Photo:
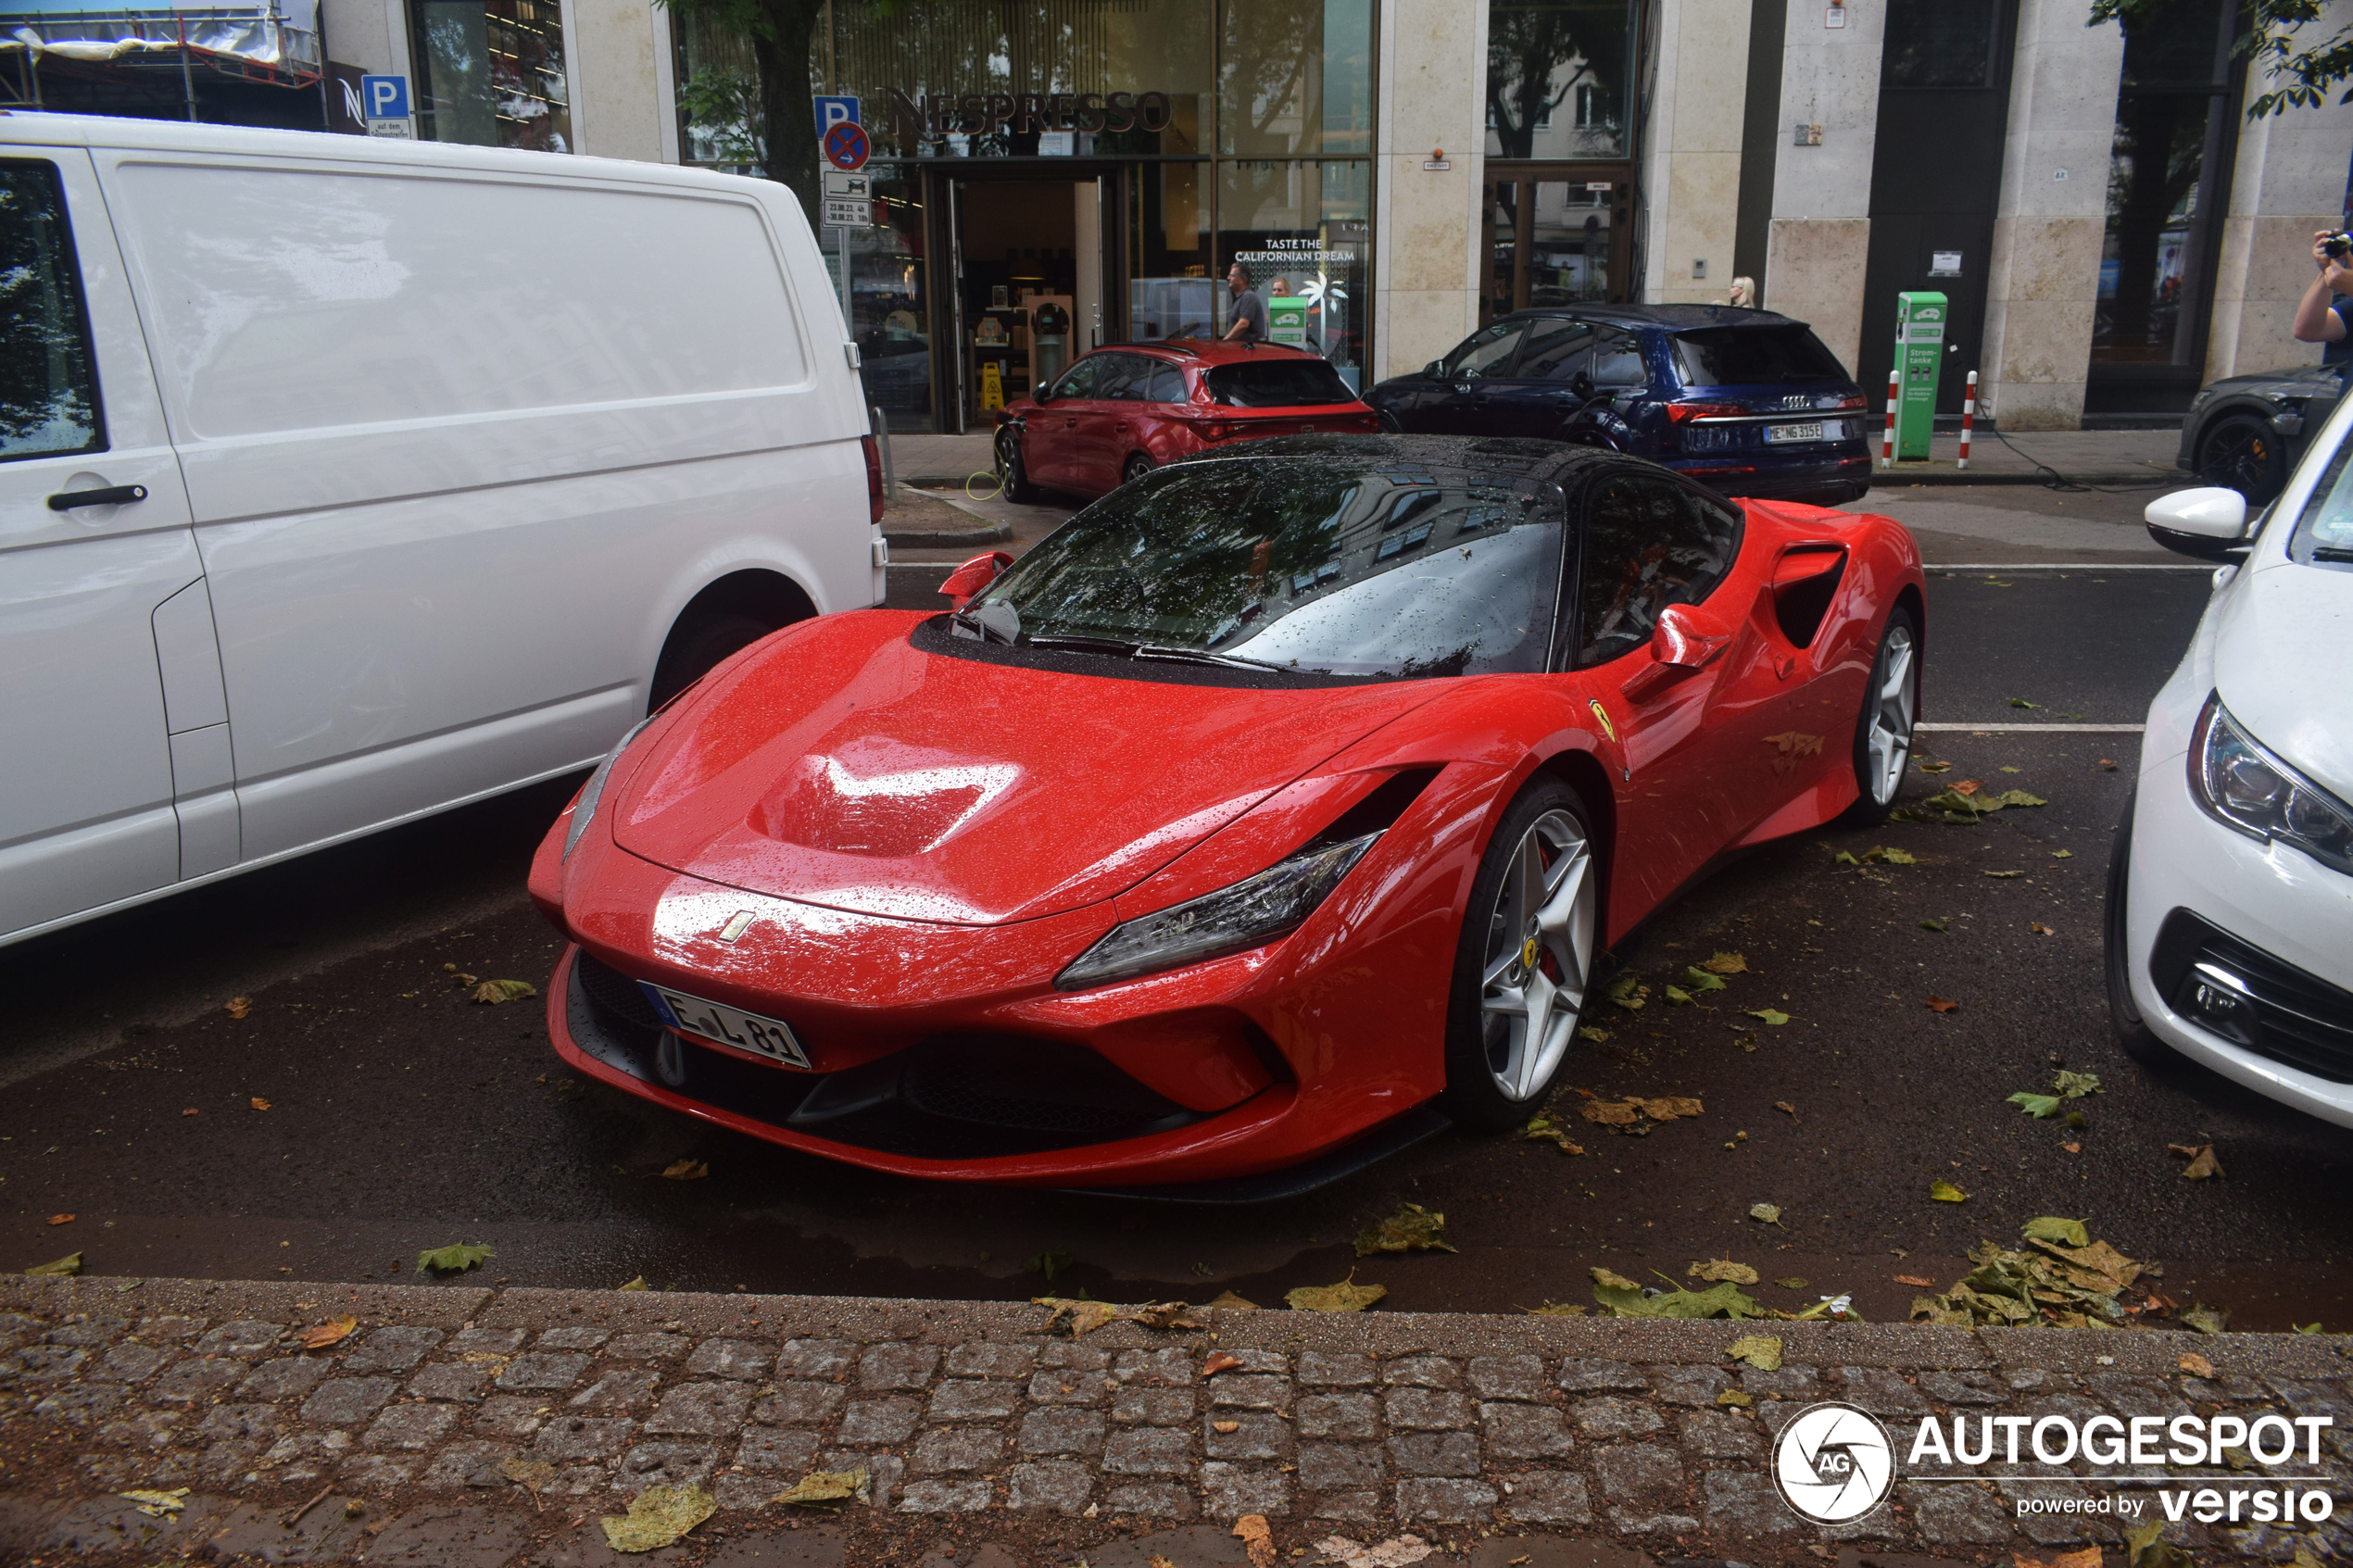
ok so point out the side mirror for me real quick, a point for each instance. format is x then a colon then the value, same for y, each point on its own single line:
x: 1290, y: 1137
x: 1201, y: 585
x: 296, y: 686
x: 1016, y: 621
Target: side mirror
x: 1042, y: 393
x: 972, y: 576
x: 1581, y: 385
x: 2209, y: 523
x: 1686, y: 640
x: 1435, y: 369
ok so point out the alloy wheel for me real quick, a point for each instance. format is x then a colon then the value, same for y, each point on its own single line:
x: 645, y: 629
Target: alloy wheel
x: 1539, y: 950
x: 1893, y: 709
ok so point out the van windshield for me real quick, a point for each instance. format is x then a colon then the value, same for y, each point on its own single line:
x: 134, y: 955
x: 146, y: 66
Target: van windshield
x: 1754, y: 357
x: 1286, y: 383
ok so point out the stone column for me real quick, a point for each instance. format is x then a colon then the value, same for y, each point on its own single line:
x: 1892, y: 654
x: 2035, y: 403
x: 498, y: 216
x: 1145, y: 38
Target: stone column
x: 618, y: 108
x: 2288, y: 181
x: 2051, y: 218
x: 1433, y: 79
x: 1821, y: 232
x: 371, y: 34
x: 1691, y: 151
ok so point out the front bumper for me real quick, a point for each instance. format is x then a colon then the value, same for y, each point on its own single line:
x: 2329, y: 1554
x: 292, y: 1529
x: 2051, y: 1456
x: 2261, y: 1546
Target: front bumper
x: 2263, y: 924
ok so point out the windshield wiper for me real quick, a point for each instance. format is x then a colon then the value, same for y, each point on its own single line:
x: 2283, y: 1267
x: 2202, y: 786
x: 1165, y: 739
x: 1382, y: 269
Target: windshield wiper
x: 1077, y: 644
x: 2336, y: 553
x: 980, y: 628
x: 1203, y: 656
x: 1125, y: 649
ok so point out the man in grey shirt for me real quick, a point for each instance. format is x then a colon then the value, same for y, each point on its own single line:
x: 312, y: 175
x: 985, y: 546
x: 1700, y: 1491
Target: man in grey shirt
x: 1250, y: 311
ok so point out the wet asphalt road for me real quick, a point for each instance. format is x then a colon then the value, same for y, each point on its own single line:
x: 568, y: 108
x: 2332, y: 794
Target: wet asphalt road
x: 401, y: 1116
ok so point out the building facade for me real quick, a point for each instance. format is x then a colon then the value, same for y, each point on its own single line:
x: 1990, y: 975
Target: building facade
x: 2111, y: 231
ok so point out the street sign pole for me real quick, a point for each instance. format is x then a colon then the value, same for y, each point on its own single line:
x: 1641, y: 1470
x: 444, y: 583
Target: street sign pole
x: 1920, y: 354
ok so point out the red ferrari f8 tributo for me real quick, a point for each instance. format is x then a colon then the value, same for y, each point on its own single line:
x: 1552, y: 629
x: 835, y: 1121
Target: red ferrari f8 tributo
x: 1268, y: 815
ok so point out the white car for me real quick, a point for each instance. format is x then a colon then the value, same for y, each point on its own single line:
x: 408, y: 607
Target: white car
x: 2230, y: 898
x: 346, y: 479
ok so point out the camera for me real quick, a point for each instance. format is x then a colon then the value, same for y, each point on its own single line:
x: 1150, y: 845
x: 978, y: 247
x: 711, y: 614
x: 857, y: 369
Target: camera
x: 2337, y: 246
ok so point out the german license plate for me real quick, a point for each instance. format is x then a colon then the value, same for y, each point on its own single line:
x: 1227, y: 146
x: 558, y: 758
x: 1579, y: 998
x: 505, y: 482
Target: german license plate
x: 1776, y: 434
x: 722, y: 1025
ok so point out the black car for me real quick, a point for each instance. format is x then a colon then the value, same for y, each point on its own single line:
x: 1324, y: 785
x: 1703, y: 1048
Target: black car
x: 2245, y: 432
x: 1746, y: 402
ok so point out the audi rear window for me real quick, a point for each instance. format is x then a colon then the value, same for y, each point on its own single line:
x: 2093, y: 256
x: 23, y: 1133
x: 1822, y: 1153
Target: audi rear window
x: 1754, y: 357
x: 1288, y: 382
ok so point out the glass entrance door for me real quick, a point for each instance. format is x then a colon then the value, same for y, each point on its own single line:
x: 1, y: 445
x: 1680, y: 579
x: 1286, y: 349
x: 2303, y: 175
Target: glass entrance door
x: 1555, y: 238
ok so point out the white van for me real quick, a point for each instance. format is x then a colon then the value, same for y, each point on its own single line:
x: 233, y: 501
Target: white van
x: 344, y: 480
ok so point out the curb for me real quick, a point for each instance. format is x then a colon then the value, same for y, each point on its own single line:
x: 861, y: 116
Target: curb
x: 2136, y: 478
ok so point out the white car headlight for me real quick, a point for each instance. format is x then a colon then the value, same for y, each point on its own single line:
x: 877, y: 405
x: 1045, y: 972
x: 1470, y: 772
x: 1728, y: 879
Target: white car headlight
x: 1251, y: 911
x: 585, y: 809
x: 2243, y: 786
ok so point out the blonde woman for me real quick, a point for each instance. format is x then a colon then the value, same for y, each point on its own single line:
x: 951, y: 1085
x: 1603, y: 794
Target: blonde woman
x: 1744, y: 293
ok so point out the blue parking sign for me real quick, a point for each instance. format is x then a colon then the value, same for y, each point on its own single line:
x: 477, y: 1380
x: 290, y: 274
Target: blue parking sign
x: 384, y: 97
x: 834, y: 111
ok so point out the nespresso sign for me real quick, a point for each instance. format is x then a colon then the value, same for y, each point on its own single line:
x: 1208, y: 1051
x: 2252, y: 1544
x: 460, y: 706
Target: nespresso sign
x: 979, y: 114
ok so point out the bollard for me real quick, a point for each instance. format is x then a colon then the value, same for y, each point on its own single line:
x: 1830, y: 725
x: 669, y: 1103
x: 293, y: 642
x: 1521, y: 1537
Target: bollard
x: 1887, y: 441
x: 1969, y: 416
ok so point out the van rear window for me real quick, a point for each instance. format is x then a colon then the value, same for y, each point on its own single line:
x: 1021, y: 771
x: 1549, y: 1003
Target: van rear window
x: 1288, y: 382
x: 1754, y: 357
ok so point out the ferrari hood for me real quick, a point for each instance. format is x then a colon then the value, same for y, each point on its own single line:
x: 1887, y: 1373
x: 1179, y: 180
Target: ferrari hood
x: 842, y: 766
x: 2279, y: 665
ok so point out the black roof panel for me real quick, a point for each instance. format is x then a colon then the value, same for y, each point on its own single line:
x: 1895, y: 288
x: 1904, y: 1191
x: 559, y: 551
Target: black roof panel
x: 1673, y: 317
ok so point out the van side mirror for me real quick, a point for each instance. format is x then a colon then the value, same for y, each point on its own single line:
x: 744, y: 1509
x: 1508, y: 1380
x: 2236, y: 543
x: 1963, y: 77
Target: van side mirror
x: 1685, y: 641
x: 2208, y: 523
x: 972, y: 576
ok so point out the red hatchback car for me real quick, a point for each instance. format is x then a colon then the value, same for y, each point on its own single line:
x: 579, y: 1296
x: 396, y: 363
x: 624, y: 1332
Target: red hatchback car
x: 1123, y: 411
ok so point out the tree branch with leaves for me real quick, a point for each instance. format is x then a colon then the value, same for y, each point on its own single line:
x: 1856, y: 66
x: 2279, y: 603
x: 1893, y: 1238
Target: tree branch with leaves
x: 2303, y: 70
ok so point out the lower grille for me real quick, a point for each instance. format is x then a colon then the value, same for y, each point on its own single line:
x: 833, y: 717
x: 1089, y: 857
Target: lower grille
x: 1032, y: 1087
x: 2259, y: 1002
x: 614, y: 992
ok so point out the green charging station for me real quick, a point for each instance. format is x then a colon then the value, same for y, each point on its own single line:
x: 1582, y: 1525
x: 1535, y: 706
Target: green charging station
x: 1920, y: 351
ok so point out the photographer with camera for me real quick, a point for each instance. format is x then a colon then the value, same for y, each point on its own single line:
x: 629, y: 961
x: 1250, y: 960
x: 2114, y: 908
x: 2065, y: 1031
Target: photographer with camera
x: 2320, y: 315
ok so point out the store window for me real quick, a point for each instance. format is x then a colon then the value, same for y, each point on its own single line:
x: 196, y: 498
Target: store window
x: 2175, y: 121
x: 1557, y: 73
x: 889, y: 299
x: 491, y: 73
x: 1298, y: 230
x: 722, y: 122
x: 1170, y: 292
x: 1295, y: 77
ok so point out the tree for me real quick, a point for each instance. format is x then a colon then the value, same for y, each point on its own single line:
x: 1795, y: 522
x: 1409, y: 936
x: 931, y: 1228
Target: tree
x: 2304, y: 73
x: 1528, y: 47
x: 782, y: 34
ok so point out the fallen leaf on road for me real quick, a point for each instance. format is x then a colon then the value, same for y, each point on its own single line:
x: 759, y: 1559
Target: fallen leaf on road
x: 1935, y: 923
x: 1762, y: 1351
x: 2075, y: 1085
x: 2008, y: 769
x: 504, y: 991
x: 1624, y: 1300
x: 1629, y: 992
x: 1228, y: 1299
x: 1609, y: 1113
x: 690, y: 1171
x: 1398, y: 1551
x: 1251, y: 1530
x: 2206, y: 1319
x: 1346, y: 1296
x: 2108, y: 763
x: 1735, y: 1397
x: 332, y: 1331
x: 1945, y: 1192
x: 61, y: 1219
x: 1773, y: 1016
x: 2035, y: 1105
x: 1699, y: 982
x: 1936, y: 767
x: 1603, y: 1277
x: 158, y: 1505
x: 1085, y: 1316
x: 529, y: 1473
x: 1844, y: 858
x: 190, y: 1112
x: 1726, y: 963
x: 638, y: 1284
x: 2073, y: 1147
x: 1915, y: 1280
x: 2144, y: 1548
x: 1720, y: 1270
x: 1219, y: 1361
x: 1224, y: 1426
x: 2022, y: 702
x: 824, y: 1487
x: 260, y: 1104
x: 2056, y: 1228
x: 2196, y: 1364
x: 2202, y: 1165
x: 2062, y: 854
x: 2038, y: 928
x: 1677, y: 997
x: 238, y: 1007
x: 1968, y: 786
x: 2019, y: 797
x: 2087, y: 1557
x: 1543, y: 1129
x: 453, y: 1259
x: 2312, y: 1328
x: 1765, y: 1213
x: 1588, y: 1032
x: 1784, y: 1106
x: 2001, y: 873
x: 1551, y: 1309
x: 1412, y: 1229
x: 1940, y: 1003
x: 69, y: 1264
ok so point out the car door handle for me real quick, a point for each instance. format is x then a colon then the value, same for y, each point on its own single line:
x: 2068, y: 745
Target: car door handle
x: 112, y: 495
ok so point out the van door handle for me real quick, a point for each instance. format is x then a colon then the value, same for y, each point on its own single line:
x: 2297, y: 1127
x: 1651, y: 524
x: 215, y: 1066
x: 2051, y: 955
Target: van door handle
x: 112, y: 495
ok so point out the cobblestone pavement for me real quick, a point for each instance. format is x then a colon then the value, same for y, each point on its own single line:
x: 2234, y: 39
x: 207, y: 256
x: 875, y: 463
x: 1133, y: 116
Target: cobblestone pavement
x: 983, y: 1435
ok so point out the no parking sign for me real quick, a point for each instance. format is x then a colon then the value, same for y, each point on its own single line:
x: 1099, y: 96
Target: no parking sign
x: 846, y: 145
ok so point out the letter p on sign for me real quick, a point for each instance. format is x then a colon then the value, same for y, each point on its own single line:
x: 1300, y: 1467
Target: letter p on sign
x: 384, y: 97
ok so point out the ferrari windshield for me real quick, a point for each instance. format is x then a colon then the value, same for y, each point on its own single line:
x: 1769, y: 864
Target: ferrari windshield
x: 1322, y: 566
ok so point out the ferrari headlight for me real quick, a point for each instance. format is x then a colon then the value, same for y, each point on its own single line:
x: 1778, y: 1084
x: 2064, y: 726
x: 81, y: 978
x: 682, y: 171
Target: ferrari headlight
x: 1251, y: 911
x: 585, y: 807
x: 2243, y: 786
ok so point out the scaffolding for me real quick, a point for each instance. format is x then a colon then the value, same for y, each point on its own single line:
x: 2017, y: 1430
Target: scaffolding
x: 265, y: 42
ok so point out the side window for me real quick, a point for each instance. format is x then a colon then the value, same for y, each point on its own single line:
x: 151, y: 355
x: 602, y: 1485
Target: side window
x: 1168, y: 385
x: 1617, y: 359
x: 1117, y: 378
x: 48, y: 387
x: 1488, y: 354
x: 1647, y: 543
x: 1080, y: 380
x: 1555, y: 350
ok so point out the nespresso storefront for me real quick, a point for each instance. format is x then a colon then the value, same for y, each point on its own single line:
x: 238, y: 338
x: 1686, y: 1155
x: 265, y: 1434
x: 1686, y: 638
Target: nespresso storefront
x: 1057, y: 174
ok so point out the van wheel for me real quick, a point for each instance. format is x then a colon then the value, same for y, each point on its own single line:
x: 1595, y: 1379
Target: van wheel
x: 1137, y: 466
x: 689, y: 657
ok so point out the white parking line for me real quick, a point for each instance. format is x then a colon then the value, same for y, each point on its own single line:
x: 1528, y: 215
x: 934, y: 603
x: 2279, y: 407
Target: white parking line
x: 2036, y: 728
x: 1956, y: 568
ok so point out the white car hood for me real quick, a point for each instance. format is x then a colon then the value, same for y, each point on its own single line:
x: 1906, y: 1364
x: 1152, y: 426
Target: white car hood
x: 2283, y: 664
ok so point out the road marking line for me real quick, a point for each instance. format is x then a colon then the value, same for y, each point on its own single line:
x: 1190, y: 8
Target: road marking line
x: 2067, y: 566
x: 2047, y: 729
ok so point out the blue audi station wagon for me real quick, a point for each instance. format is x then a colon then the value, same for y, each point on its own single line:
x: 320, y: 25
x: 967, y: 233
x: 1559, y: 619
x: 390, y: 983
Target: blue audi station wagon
x: 1746, y: 402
